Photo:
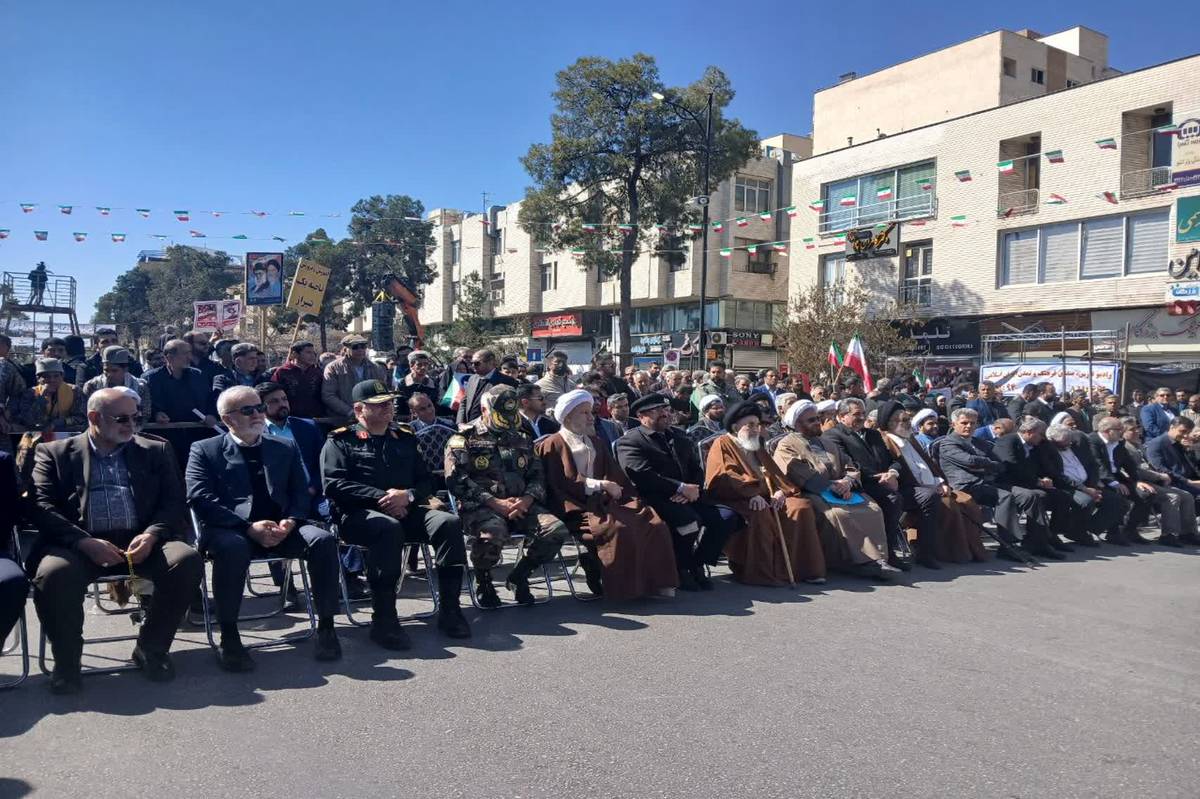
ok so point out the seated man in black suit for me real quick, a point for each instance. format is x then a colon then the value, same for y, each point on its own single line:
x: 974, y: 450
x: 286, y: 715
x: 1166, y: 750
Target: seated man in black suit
x: 1067, y: 460
x: 1166, y: 453
x: 250, y: 494
x: 534, y: 421
x: 109, y: 502
x: 1029, y: 491
x: 13, y: 585
x: 1120, y: 472
x: 665, y: 467
x: 486, y: 375
x: 878, y: 470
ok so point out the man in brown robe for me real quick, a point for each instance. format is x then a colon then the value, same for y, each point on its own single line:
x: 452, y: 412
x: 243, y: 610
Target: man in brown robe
x: 630, y: 553
x: 779, y: 544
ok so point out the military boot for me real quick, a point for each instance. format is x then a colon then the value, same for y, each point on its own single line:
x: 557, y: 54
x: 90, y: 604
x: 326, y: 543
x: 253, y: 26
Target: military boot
x: 485, y: 592
x: 450, y: 618
x: 518, y: 581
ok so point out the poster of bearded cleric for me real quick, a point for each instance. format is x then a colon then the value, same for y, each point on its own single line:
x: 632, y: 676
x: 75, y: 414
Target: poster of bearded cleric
x: 264, y: 278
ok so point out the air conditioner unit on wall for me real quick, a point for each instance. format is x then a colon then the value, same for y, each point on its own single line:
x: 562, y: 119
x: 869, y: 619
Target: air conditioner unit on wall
x: 718, y: 338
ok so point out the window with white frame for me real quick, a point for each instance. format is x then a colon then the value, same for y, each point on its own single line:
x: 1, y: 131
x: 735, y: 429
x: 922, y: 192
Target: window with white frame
x: 1111, y: 246
x: 905, y: 192
x: 916, y: 284
x: 550, y: 276
x: 833, y: 276
x: 455, y: 251
x: 752, y: 195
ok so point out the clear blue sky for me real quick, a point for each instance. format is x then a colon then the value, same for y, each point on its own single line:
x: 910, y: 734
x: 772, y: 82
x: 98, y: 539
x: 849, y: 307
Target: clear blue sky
x: 311, y: 105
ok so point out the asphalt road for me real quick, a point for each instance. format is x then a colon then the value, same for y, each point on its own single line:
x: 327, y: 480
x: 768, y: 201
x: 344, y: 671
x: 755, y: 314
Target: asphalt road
x: 1077, y: 679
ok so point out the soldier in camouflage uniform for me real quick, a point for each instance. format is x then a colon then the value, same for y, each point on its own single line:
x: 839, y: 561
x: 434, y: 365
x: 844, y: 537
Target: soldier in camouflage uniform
x: 498, y: 483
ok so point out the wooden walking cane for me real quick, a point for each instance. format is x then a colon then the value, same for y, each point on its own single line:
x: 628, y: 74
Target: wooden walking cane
x: 787, y: 559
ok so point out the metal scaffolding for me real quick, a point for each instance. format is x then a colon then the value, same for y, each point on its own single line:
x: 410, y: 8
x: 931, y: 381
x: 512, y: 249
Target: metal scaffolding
x: 1113, y: 344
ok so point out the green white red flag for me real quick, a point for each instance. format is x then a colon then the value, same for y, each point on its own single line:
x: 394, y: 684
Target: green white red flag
x: 1006, y: 167
x: 79, y: 236
x: 835, y: 357
x: 182, y: 216
x: 118, y: 237
x: 41, y: 235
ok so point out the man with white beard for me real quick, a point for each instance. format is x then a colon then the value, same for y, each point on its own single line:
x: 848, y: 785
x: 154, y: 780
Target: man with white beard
x: 780, y: 543
x: 629, y: 550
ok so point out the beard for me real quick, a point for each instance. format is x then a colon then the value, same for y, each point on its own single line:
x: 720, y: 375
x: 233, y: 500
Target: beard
x: 748, y: 442
x: 903, y: 432
x: 582, y: 429
x: 561, y: 370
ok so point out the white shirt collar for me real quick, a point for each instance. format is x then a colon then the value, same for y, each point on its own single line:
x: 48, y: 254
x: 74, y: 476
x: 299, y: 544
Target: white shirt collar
x: 241, y: 443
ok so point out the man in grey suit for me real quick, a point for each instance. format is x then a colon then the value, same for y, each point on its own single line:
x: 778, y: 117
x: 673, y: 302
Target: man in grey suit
x: 251, y: 497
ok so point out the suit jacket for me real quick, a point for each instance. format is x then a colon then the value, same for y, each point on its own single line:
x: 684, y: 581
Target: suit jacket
x: 340, y: 380
x: 965, y: 463
x: 546, y: 427
x: 656, y: 470
x: 12, y: 506
x: 62, y: 471
x: 309, y: 439
x: 1017, y: 468
x: 476, y: 387
x: 1155, y: 420
x: 1050, y: 464
x: 1125, y: 471
x: 869, y: 452
x: 219, y: 488
x: 1016, y: 408
x: 1166, y: 456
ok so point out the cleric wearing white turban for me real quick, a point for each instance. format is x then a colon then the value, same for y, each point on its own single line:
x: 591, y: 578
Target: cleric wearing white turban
x: 794, y: 410
x: 569, y: 401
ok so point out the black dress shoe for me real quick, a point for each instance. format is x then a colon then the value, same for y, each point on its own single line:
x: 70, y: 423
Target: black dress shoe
x: 157, y: 666
x: 356, y: 587
x: 452, y: 623
x: 929, y: 563
x: 328, y: 646
x: 64, y: 681
x: 1005, y: 553
x: 1043, y: 551
x: 687, y: 582
x: 234, y: 657
x: 1169, y: 541
x: 702, y: 579
x: 1188, y: 538
x: 485, y: 593
x: 1115, y: 537
x: 1134, y: 537
x: 898, y: 563
x: 391, y: 636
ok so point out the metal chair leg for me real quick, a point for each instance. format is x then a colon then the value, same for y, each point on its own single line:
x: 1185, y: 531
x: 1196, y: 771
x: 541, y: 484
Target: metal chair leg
x: 127, y: 665
x: 20, y: 640
x: 426, y: 556
x: 569, y: 573
x: 287, y: 639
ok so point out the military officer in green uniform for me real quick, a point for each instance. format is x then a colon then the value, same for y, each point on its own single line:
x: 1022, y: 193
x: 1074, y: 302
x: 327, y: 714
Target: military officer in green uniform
x: 377, y: 483
x: 500, y: 489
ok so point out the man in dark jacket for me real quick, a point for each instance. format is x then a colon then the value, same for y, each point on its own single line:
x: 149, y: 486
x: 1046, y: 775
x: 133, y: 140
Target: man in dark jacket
x: 1032, y: 493
x: 1016, y: 405
x: 301, y: 378
x: 251, y: 497
x: 104, y: 499
x: 245, y: 371
x: 1067, y: 460
x: 663, y: 464
x: 1117, y: 470
x: 1166, y: 454
x: 878, y: 470
x: 486, y: 375
x: 13, y: 585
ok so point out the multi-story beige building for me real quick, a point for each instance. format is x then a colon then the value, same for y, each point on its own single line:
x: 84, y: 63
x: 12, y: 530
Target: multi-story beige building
x: 991, y: 70
x: 574, y: 308
x: 1068, y: 219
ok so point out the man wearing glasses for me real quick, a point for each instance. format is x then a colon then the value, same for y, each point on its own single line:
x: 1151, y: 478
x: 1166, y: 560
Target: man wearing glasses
x: 1156, y: 415
x: 92, y: 521
x: 341, y: 376
x: 486, y: 375
x: 250, y: 494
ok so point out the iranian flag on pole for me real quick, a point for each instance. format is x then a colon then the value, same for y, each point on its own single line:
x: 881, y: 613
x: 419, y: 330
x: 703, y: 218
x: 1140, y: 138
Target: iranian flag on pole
x: 835, y: 356
x: 856, y: 361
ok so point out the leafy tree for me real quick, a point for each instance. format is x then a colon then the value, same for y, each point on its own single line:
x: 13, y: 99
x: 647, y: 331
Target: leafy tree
x: 389, y: 236
x: 818, y: 316
x: 474, y: 325
x: 317, y: 246
x: 618, y: 156
x: 187, y: 275
x: 128, y: 304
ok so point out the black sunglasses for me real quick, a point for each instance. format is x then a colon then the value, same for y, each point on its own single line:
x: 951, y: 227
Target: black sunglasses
x: 125, y: 418
x: 358, y: 346
x: 250, y: 410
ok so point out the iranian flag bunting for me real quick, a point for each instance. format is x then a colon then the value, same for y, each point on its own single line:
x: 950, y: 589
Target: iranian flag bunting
x: 884, y: 193
x: 726, y: 252
x: 817, y: 205
x: 1106, y: 144
x: 1006, y: 167
x: 753, y: 248
x: 281, y: 239
x: 239, y: 236
x: 1056, y: 199
x: 216, y: 213
x: 1168, y: 130
x: 790, y: 211
x: 301, y: 213
x: 835, y: 356
x: 1054, y: 156
x: 963, y: 175
x: 578, y: 250
x: 118, y: 237
x: 779, y: 246
x: 27, y: 208
x: 1109, y: 197
x: 742, y: 221
x: 718, y: 227
x: 848, y: 201
x: 66, y: 209
x: 196, y: 234
x: 182, y: 216
x: 144, y: 213
x: 625, y: 227
x: 79, y: 236
x: 590, y: 227
x: 916, y: 223
x: 695, y: 228
x: 958, y: 221
x: 809, y: 244
x: 41, y: 235
x: 259, y: 214
x: 103, y: 210
x: 925, y: 184
x: 767, y: 216
x: 4, y: 232
x: 856, y: 361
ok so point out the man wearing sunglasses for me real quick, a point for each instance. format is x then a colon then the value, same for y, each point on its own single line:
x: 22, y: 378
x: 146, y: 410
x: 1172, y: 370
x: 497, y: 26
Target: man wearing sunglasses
x: 341, y: 376
x: 109, y: 500
x: 250, y: 494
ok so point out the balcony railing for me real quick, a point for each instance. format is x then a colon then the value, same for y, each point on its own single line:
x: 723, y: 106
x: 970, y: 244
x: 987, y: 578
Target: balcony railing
x: 838, y: 219
x: 918, y: 294
x: 51, y: 291
x: 1016, y: 203
x: 1141, y: 182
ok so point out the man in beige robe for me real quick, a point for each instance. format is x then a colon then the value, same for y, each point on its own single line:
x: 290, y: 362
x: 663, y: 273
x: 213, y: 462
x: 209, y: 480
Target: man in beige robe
x: 629, y: 549
x: 853, y: 534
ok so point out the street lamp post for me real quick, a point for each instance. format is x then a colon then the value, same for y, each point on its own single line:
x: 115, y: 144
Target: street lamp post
x: 706, y: 126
